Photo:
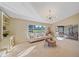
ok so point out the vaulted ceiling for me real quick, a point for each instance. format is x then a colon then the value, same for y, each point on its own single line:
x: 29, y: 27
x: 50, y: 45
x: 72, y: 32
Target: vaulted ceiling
x: 38, y: 11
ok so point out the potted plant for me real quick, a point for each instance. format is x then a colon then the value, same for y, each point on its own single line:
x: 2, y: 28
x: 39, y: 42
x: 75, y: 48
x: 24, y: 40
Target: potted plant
x: 6, y: 33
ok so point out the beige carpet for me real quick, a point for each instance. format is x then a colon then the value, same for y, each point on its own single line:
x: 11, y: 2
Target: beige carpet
x: 69, y: 48
x: 65, y: 47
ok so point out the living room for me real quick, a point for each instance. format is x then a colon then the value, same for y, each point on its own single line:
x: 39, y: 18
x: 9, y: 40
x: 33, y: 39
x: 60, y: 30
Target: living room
x: 23, y: 27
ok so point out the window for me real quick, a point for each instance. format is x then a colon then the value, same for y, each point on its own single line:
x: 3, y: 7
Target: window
x: 36, y: 30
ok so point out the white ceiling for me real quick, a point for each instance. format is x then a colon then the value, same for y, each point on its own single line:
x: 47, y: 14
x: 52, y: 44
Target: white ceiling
x: 61, y: 10
x: 22, y: 10
x: 37, y: 11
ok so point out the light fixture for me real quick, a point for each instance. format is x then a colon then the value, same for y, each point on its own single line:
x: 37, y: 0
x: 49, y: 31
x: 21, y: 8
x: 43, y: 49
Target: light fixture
x: 51, y: 14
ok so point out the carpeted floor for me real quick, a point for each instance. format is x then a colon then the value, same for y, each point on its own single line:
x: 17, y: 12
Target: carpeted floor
x: 65, y: 48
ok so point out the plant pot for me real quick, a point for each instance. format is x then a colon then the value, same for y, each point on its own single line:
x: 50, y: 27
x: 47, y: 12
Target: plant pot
x: 5, y: 35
